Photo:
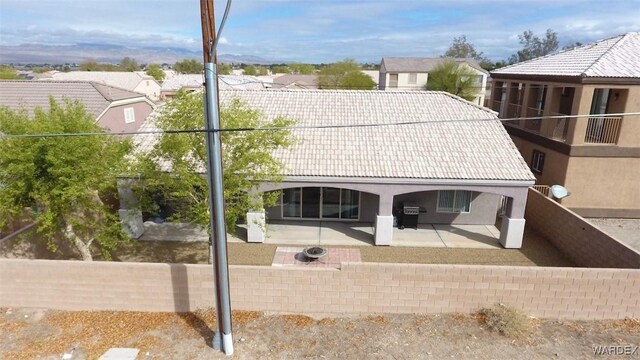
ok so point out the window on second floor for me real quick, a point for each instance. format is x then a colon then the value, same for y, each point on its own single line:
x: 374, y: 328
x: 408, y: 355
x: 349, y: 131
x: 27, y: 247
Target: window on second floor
x: 537, y: 161
x: 129, y: 115
x: 413, y: 78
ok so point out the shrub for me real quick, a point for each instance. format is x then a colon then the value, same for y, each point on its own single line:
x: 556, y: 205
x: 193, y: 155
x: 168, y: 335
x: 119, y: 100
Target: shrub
x: 508, y: 321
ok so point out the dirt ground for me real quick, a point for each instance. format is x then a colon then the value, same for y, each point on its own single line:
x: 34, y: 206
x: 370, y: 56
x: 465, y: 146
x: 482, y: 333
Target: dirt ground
x: 536, y: 251
x: 48, y: 334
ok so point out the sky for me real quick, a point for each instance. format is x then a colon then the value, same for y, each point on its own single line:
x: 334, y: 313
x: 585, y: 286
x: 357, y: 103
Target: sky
x: 317, y: 31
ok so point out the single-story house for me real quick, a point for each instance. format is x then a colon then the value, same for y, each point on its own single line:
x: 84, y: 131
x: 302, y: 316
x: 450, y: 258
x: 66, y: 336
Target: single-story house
x: 115, y: 109
x: 137, y: 81
x: 296, y: 81
x: 359, y: 155
x: 195, y: 82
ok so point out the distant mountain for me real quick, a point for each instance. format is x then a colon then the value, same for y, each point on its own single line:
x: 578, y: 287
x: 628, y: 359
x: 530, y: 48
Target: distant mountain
x: 109, y: 53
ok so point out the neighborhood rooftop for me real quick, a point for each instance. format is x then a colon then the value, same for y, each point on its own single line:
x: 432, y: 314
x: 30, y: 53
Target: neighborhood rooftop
x: 127, y: 80
x: 30, y: 94
x: 443, y: 145
x: 422, y: 64
x: 616, y: 57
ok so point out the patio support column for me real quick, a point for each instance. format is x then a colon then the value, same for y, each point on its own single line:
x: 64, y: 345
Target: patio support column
x: 256, y: 224
x: 512, y: 229
x: 129, y: 213
x: 384, y: 220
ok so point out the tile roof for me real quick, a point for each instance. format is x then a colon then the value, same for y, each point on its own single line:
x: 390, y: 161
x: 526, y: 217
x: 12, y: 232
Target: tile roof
x: 616, y: 57
x: 303, y: 81
x: 225, y: 82
x: 444, y: 145
x: 422, y: 64
x: 121, y: 79
x: 31, y: 94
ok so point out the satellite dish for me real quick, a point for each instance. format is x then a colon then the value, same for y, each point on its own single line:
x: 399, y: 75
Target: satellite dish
x: 559, y: 191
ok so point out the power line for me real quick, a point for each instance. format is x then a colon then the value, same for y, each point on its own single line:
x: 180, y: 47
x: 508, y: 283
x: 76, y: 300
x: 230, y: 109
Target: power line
x: 311, y: 127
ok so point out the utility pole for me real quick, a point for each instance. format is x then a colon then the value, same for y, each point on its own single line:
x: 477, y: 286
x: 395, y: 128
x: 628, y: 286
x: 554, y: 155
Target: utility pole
x: 222, y: 339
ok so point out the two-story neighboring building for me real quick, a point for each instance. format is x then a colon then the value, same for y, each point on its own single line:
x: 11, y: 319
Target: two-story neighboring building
x: 596, y: 156
x: 137, y: 81
x: 412, y: 73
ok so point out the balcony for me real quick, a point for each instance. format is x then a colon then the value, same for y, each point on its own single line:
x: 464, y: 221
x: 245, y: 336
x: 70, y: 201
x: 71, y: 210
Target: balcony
x: 603, y: 130
x: 559, y: 127
x: 533, y: 125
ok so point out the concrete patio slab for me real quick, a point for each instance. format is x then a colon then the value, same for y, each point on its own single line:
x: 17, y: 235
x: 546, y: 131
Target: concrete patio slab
x: 468, y: 236
x: 425, y: 235
x: 293, y: 256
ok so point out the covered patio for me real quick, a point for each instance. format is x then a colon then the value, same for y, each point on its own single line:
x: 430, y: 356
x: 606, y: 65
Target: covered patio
x: 329, y: 233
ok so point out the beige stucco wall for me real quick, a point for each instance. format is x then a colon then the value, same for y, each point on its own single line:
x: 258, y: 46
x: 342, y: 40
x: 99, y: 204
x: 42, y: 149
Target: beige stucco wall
x: 113, y: 119
x: 149, y: 87
x: 610, y: 183
x: 482, y: 211
x: 555, y: 163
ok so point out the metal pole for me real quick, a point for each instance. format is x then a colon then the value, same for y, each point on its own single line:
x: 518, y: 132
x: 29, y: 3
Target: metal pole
x: 223, y: 339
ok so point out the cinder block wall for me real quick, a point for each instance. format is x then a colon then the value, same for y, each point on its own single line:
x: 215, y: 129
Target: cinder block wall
x: 584, y: 243
x: 566, y: 293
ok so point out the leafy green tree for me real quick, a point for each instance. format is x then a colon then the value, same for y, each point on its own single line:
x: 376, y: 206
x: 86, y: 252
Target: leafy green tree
x: 345, y: 74
x: 129, y: 64
x: 89, y: 65
x: 302, y: 69
x: 247, y: 160
x: 63, y: 180
x: 224, y: 69
x: 280, y: 69
x: 188, y: 66
x: 8, y: 73
x: 250, y: 70
x: 454, y: 78
x: 155, y: 71
x: 262, y: 71
x: 534, y: 46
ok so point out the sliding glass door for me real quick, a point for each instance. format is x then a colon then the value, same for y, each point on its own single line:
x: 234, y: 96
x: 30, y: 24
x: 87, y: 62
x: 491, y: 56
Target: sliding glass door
x: 320, y: 203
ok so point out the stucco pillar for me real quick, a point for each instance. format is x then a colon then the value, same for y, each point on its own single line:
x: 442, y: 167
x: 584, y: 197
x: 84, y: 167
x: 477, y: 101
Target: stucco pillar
x: 384, y: 220
x: 512, y: 229
x: 256, y: 226
x: 256, y: 219
x: 129, y: 214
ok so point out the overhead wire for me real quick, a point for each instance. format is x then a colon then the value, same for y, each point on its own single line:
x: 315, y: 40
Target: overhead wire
x: 311, y: 127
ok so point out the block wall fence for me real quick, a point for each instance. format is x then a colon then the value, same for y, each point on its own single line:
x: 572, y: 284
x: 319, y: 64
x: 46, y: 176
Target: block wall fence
x: 602, y: 289
x: 584, y: 243
x: 564, y: 293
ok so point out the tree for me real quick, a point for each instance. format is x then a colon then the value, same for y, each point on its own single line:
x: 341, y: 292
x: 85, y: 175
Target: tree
x: 250, y: 70
x: 345, y: 74
x: 247, y: 160
x: 456, y: 79
x: 188, y: 66
x: 570, y: 46
x: 8, y: 73
x: 155, y: 71
x: 302, y: 69
x: 280, y: 69
x: 89, y: 65
x: 462, y: 48
x: 533, y: 46
x: 63, y: 180
x: 129, y: 64
x: 224, y: 69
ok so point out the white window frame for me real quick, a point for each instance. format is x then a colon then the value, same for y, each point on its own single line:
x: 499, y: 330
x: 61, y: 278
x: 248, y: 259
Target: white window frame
x: 452, y: 209
x: 537, y: 161
x: 129, y: 115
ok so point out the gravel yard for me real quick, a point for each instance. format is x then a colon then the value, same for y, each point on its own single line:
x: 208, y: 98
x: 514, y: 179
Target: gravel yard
x: 48, y: 334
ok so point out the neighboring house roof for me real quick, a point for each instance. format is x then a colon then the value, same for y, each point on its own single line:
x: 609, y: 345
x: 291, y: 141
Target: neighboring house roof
x: 121, y: 79
x: 422, y: 64
x: 616, y: 57
x: 31, y: 94
x: 301, y: 81
x: 438, y: 139
x: 196, y: 81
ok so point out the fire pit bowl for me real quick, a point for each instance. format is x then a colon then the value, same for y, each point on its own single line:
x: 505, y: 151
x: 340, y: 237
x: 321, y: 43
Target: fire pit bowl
x: 314, y: 252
